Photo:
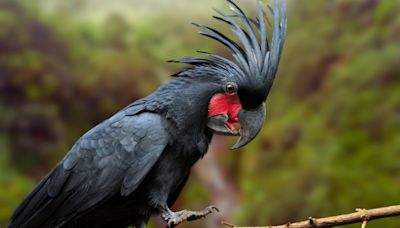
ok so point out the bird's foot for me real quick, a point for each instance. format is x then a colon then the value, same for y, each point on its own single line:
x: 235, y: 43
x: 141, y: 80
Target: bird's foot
x: 175, y: 218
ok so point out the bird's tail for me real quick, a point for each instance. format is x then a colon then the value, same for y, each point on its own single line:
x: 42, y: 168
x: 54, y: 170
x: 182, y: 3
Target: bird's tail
x: 38, y: 206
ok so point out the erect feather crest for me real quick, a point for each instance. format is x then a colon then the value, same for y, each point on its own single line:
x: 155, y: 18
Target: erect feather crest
x: 255, y: 57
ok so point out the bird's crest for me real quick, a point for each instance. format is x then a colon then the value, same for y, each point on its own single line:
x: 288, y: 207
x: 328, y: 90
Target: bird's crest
x: 254, y: 55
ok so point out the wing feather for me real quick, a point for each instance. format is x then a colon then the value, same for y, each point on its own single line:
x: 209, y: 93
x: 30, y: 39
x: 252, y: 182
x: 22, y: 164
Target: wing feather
x: 112, y: 158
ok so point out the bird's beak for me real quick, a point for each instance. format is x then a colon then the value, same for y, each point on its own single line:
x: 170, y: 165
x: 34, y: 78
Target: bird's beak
x: 219, y: 124
x: 250, y: 123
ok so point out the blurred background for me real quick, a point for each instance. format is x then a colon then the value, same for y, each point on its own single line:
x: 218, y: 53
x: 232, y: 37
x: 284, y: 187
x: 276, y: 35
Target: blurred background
x: 331, y: 142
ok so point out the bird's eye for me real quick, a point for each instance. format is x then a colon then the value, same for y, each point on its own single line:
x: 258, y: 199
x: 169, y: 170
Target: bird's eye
x: 230, y: 88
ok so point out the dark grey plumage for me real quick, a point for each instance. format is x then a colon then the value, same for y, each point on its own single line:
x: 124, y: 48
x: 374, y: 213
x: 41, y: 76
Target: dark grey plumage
x: 135, y: 163
x: 120, y: 171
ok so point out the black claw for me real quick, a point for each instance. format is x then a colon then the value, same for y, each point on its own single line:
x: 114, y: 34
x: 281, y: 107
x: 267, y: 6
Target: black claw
x: 171, y: 225
x: 212, y: 207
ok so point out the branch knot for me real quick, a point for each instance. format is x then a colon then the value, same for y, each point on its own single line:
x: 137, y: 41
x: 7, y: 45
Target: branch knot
x: 364, y: 215
x: 312, y: 221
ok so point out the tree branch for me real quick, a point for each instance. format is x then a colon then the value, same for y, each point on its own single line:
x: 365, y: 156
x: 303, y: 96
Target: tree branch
x: 362, y: 215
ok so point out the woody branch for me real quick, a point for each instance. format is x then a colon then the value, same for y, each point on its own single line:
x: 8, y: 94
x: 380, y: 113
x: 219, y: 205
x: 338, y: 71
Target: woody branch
x: 361, y: 216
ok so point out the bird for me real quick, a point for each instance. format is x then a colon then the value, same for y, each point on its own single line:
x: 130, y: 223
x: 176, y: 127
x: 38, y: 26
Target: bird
x: 135, y: 164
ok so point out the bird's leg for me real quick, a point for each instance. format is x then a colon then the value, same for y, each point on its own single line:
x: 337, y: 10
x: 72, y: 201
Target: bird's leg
x: 175, y: 218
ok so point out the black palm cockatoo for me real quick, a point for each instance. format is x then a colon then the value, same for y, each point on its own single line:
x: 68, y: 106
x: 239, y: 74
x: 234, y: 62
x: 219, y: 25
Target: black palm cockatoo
x: 134, y: 164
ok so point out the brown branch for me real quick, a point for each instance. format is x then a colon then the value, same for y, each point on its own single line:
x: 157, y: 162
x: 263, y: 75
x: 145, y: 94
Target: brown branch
x: 362, y: 215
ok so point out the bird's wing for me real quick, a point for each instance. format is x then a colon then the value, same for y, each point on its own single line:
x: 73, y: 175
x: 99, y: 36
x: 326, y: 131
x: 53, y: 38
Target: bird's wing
x: 112, y: 158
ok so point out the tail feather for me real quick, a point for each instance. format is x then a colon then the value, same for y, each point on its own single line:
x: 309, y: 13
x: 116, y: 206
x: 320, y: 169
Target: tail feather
x: 38, y: 206
x: 32, y: 202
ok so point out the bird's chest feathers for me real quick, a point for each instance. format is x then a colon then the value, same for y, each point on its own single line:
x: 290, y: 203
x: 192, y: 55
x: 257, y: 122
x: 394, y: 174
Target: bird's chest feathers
x: 191, y: 147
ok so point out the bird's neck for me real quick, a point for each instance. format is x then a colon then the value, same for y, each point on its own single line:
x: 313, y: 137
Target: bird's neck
x: 186, y: 108
x: 189, y: 103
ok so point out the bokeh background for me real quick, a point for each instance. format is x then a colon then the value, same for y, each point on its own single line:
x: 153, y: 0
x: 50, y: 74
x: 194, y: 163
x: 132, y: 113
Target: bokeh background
x: 331, y: 142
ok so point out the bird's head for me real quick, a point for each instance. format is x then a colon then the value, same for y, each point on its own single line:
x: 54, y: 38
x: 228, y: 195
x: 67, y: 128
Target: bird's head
x: 237, y: 104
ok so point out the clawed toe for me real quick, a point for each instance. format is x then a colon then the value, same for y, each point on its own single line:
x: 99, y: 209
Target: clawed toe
x: 175, y: 218
x: 211, y: 208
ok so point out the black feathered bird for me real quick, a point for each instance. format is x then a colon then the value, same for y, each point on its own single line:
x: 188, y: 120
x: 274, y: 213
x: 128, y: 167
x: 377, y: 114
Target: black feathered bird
x: 135, y: 163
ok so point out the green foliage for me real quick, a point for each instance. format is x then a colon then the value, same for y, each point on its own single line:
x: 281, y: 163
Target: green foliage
x: 330, y: 142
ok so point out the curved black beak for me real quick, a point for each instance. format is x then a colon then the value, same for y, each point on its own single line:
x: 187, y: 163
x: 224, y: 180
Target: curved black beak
x: 251, y: 122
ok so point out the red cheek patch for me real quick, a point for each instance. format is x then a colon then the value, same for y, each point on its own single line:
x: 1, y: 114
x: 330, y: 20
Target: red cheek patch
x: 225, y: 104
